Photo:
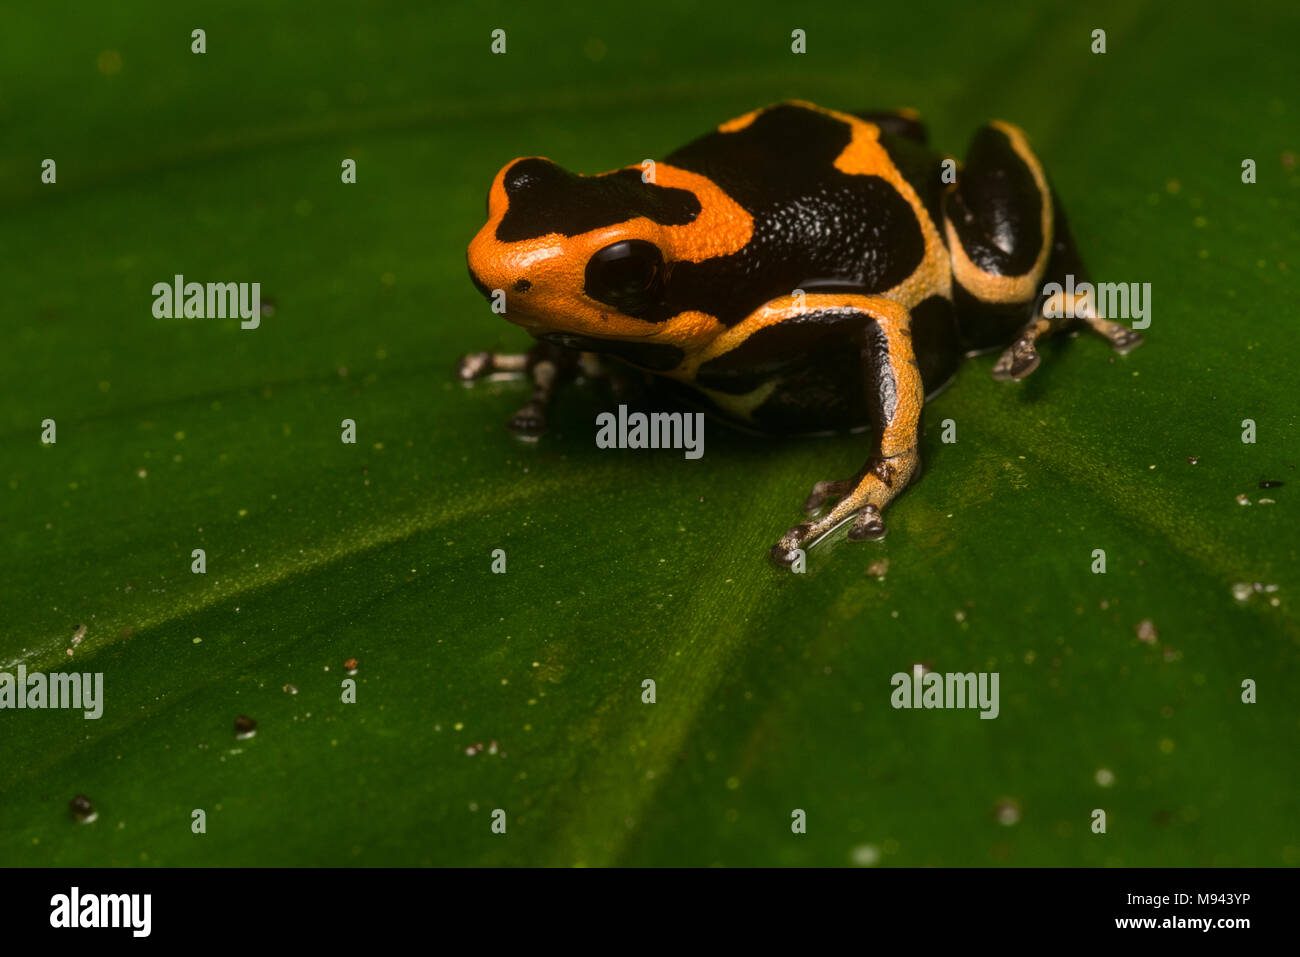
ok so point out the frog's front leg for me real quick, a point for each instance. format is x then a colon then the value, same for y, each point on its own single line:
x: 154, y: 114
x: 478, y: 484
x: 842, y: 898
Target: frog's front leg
x: 894, y: 394
x: 548, y: 365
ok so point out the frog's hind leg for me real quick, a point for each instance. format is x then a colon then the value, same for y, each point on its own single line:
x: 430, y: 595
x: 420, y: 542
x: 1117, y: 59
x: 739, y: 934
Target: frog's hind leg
x: 904, y: 122
x: 1048, y: 314
x: 894, y: 393
x: 998, y: 220
x: 1061, y: 309
x: 1008, y: 236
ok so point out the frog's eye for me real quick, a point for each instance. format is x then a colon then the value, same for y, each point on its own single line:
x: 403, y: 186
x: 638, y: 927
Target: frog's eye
x: 628, y: 275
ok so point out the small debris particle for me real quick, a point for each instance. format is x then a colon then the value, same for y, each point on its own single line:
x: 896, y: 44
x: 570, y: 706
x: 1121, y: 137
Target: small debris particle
x: 1242, y: 499
x: 1008, y: 812
x: 78, y: 635
x: 1271, y: 483
x: 350, y: 666
x: 1193, y: 459
x: 1104, y: 777
x: 290, y: 689
x: 865, y: 855
x: 878, y: 568
x: 81, y: 809
x: 1241, y: 590
x: 1146, y: 631
x: 245, y: 727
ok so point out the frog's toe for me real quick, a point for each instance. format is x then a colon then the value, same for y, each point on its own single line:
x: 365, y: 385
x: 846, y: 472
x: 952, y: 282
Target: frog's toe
x: 824, y: 492
x: 792, y: 542
x: 1121, y: 338
x: 477, y: 365
x: 474, y: 366
x: 529, y: 422
x: 1126, y: 341
x: 868, y: 526
x: 1018, y: 361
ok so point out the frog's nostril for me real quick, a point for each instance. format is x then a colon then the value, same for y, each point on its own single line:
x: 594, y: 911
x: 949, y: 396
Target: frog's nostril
x: 523, y: 285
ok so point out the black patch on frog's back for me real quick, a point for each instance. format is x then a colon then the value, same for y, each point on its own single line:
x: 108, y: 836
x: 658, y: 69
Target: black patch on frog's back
x: 544, y: 198
x: 922, y: 169
x: 810, y: 219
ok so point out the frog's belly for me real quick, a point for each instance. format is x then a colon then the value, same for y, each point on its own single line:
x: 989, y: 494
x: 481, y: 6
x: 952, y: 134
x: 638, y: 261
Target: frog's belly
x: 821, y: 384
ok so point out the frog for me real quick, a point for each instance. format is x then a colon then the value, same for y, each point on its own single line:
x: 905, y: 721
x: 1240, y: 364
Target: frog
x: 795, y: 270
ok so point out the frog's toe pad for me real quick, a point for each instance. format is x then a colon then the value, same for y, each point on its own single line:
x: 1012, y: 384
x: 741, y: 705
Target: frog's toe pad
x: 786, y: 550
x: 867, y: 527
x: 1017, y: 362
x: 474, y: 366
x: 1126, y: 341
x: 528, y: 423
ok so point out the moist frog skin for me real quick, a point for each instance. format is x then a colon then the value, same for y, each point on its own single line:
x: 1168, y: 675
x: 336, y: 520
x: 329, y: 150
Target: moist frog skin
x: 795, y: 270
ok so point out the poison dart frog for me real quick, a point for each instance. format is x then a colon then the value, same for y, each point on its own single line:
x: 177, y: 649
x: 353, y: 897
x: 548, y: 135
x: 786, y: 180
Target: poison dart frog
x: 795, y: 270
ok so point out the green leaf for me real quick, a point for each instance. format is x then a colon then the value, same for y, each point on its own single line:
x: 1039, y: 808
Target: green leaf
x: 773, y: 689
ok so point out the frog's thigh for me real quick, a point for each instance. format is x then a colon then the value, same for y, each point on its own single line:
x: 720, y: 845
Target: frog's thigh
x: 895, y: 395
x: 998, y: 218
x: 1000, y: 221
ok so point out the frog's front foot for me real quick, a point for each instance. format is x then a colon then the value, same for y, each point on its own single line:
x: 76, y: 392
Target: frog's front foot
x: 479, y: 365
x: 547, y: 365
x: 860, y: 498
x: 529, y: 422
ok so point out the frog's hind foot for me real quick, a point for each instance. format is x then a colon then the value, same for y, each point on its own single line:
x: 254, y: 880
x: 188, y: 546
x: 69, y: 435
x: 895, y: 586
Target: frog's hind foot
x: 1022, y: 357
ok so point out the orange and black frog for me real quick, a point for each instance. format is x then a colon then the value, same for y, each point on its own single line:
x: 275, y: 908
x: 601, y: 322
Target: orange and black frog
x: 795, y: 270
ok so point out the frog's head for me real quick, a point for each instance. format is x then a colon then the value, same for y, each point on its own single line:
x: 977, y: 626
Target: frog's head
x: 590, y: 257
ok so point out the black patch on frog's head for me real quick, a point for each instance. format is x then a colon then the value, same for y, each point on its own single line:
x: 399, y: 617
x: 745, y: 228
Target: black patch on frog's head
x: 544, y: 198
